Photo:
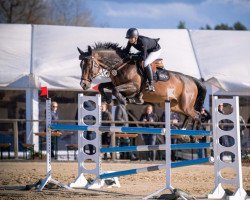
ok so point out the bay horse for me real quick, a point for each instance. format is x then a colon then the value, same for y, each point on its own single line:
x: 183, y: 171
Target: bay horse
x: 187, y: 93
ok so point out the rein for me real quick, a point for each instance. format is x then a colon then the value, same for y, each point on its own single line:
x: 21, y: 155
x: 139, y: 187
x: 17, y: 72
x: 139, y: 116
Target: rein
x: 111, y: 69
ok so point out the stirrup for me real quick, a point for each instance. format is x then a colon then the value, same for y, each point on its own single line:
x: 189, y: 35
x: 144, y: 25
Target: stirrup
x: 150, y: 88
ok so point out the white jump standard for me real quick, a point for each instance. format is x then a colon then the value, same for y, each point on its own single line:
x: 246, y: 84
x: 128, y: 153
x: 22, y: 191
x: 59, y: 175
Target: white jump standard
x: 82, y: 127
x: 49, y: 178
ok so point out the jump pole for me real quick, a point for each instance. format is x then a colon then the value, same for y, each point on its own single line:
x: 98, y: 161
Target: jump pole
x: 49, y: 178
x: 154, y: 168
x: 156, y: 147
x: 121, y: 129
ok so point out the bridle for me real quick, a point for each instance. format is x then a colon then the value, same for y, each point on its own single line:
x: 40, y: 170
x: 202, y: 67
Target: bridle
x: 94, y: 64
x: 105, y: 69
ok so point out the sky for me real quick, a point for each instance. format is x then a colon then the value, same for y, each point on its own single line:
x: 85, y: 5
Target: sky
x: 168, y: 13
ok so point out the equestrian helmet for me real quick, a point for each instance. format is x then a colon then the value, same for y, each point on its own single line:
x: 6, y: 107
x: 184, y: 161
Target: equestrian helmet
x: 132, y: 32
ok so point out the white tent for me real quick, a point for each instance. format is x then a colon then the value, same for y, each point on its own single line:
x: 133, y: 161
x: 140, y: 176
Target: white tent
x: 40, y: 55
x: 46, y: 55
x: 15, y: 55
x: 224, y: 58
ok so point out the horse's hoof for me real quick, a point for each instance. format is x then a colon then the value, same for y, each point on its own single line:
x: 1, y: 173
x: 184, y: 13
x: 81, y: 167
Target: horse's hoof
x: 139, y: 101
x: 131, y: 101
x: 135, y: 100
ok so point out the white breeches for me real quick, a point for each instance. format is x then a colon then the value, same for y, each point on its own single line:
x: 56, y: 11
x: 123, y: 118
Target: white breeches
x: 152, y: 57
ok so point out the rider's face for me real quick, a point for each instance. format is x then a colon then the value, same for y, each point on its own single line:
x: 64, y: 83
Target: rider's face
x: 132, y: 40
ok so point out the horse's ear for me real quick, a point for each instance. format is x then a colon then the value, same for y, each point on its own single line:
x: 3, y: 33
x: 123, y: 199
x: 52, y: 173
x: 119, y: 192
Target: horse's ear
x: 80, y: 51
x: 90, y: 50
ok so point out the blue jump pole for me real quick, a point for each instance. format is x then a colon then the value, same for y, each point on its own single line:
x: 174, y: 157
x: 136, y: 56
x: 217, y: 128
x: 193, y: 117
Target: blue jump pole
x: 153, y: 168
x: 122, y: 129
x: 71, y: 127
x: 156, y: 147
x: 190, y: 162
x: 132, y: 171
x: 190, y: 132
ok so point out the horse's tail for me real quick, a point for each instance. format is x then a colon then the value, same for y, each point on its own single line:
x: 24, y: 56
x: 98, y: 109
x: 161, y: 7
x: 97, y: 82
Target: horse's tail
x: 201, y: 94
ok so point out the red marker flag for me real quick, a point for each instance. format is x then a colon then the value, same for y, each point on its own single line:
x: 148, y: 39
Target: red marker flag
x: 44, y: 92
x: 96, y: 87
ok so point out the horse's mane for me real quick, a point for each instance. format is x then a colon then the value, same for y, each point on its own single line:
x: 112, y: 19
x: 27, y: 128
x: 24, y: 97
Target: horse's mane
x: 109, y: 46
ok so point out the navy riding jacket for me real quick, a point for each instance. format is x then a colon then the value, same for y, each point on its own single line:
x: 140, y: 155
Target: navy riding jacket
x: 145, y: 45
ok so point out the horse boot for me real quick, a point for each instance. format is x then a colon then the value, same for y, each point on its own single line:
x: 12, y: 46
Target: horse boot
x: 149, y: 74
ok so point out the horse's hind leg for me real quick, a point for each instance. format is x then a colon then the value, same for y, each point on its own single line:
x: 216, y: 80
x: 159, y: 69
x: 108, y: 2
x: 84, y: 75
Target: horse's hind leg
x: 188, y: 102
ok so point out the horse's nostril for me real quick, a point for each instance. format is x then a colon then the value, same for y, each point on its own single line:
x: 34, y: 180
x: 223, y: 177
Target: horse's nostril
x: 82, y: 84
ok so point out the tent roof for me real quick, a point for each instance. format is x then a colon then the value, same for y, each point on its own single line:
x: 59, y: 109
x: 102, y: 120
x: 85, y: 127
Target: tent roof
x: 15, y: 55
x: 223, y: 57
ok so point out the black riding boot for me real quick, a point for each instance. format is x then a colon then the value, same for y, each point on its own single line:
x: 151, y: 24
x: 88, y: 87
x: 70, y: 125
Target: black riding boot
x: 149, y: 73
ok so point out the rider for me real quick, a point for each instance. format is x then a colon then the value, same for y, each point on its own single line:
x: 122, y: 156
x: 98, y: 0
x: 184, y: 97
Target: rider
x: 149, y: 48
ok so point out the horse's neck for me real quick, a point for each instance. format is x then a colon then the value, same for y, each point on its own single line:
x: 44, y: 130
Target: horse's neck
x: 112, y: 60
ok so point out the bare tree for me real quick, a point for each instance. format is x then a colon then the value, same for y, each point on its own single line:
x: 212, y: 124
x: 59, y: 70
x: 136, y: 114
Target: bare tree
x: 70, y: 12
x: 22, y: 11
x: 54, y: 12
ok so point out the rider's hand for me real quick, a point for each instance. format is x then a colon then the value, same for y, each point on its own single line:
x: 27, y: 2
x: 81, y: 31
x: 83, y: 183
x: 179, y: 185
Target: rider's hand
x: 128, y: 57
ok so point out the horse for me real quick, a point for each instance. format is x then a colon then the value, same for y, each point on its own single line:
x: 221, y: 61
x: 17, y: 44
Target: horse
x: 185, y: 93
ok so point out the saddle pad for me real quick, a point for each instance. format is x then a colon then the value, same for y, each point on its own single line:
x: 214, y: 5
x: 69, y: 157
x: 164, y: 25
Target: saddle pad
x: 161, y: 74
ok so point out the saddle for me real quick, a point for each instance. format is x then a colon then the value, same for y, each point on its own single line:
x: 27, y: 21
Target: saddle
x: 160, y: 73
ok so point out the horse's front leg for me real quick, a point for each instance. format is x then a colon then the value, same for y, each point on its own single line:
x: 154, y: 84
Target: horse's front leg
x: 101, y: 87
x: 185, y: 123
x: 118, y: 96
x: 128, y: 88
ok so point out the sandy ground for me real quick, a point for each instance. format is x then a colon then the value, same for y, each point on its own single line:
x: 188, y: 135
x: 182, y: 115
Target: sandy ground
x: 197, y: 180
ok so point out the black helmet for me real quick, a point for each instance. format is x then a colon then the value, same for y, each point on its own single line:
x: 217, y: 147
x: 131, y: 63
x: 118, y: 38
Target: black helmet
x: 132, y: 32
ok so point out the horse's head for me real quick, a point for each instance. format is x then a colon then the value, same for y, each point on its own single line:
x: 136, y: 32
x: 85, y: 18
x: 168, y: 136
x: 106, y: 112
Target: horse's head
x: 90, y: 67
x: 102, y: 58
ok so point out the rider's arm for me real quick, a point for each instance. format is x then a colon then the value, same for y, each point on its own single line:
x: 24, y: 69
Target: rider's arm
x: 144, y: 52
x: 127, y: 49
